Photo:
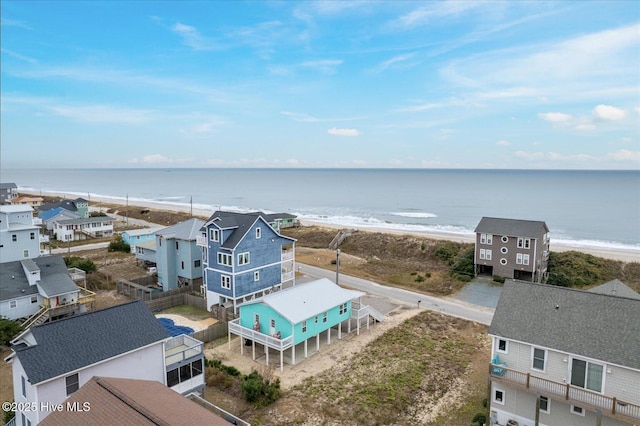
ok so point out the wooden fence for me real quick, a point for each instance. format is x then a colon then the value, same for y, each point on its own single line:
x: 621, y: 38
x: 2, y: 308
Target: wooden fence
x: 213, y: 332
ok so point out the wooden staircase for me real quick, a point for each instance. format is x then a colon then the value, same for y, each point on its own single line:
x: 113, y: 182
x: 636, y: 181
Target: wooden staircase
x: 38, y: 318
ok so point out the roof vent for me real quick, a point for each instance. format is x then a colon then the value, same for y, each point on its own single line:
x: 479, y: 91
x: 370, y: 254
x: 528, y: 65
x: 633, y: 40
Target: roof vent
x: 557, y: 306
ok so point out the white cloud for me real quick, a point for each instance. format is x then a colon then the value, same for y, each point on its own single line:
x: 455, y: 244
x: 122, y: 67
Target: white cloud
x: 156, y: 158
x: 530, y: 155
x: 343, y: 132
x: 424, y: 14
x: 503, y: 143
x: 325, y: 66
x: 18, y: 56
x: 555, y: 117
x: 101, y: 113
x: 554, y: 156
x: 300, y: 117
x: 192, y: 37
x: 397, y: 62
x: 585, y: 127
x: 625, y: 155
x: 609, y: 113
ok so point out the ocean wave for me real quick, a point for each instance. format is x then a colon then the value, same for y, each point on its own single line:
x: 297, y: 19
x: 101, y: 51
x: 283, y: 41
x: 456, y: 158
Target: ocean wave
x: 596, y: 244
x: 416, y: 215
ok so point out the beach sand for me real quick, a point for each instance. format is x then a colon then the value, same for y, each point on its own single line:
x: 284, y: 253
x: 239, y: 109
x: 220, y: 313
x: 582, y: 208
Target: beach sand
x: 621, y: 254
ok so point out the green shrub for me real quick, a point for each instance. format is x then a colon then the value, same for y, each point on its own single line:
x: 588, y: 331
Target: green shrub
x: 419, y: 278
x: 97, y: 214
x: 463, y: 263
x: 576, y: 269
x: 8, y: 330
x: 479, y: 419
x: 8, y: 416
x: 447, y: 251
x: 117, y: 244
x: 499, y: 279
x: 86, y: 265
x: 259, y: 390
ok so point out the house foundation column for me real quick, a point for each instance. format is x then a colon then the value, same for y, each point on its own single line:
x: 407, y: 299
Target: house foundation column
x: 253, y: 346
x: 266, y: 351
x: 339, y: 331
x: 318, y: 342
x: 328, y: 336
x: 293, y: 354
x: 281, y: 359
x: 305, y: 347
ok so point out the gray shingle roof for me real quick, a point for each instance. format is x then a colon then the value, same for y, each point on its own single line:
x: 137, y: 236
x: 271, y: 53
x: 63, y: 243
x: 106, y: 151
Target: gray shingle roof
x: 598, y: 326
x: 8, y: 185
x: 75, y: 342
x: 511, y: 227
x: 80, y: 220
x: 187, y: 230
x: 65, y: 204
x: 241, y: 222
x: 616, y: 288
x: 54, y: 278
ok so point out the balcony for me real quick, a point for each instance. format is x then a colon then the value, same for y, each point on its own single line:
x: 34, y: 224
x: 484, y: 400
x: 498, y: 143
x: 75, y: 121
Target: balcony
x: 44, y: 239
x: 201, y: 241
x: 287, y: 276
x: 258, y: 337
x: 287, y: 255
x: 181, y: 348
x: 609, y: 406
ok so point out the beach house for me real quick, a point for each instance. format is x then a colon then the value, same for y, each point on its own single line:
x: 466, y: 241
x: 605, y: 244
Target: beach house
x: 81, y: 228
x: 8, y: 191
x: 41, y: 289
x: 34, y: 202
x: 562, y: 356
x: 512, y: 248
x: 53, y: 360
x: 134, y: 237
x: 296, y: 315
x: 178, y: 258
x: 244, y: 258
x: 19, y: 236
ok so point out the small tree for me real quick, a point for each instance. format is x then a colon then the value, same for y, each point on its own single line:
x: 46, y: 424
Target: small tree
x: 86, y: 265
x: 118, y: 244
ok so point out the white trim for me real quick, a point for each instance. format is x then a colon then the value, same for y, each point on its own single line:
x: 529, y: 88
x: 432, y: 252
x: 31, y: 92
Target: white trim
x: 506, y: 346
x: 504, y: 239
x: 504, y: 250
x: 548, y: 410
x: 604, y: 366
x: 493, y: 396
x: 503, y: 261
x: 571, y: 407
x: 544, y: 359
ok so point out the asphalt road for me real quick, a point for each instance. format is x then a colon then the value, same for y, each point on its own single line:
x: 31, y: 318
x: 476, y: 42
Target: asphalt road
x: 446, y: 306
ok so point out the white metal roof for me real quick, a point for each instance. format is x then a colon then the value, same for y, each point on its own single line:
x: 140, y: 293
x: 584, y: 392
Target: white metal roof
x: 304, y: 301
x: 16, y: 208
x: 143, y: 231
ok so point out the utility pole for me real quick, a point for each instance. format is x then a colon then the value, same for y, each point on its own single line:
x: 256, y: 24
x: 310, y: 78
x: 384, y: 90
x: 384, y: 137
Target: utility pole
x: 127, y: 210
x: 338, y: 265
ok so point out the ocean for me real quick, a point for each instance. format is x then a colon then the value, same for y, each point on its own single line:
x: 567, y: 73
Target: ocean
x: 598, y: 209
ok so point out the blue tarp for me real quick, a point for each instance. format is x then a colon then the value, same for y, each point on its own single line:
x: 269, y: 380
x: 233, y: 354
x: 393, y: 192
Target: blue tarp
x: 173, y: 329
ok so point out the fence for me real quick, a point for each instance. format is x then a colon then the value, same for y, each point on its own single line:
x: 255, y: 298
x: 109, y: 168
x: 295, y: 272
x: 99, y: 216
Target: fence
x: 213, y: 332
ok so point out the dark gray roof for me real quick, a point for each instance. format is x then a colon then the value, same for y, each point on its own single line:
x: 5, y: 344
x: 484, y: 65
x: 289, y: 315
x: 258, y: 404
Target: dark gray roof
x: 616, y: 288
x: 240, y: 222
x: 8, y: 185
x: 65, y: 204
x: 511, y: 227
x: 187, y: 230
x: 598, y: 326
x: 75, y: 342
x: 275, y: 216
x: 54, y: 278
x: 80, y: 200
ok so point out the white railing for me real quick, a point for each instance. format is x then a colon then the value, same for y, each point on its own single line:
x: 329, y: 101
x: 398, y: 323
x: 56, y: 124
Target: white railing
x: 287, y: 255
x: 258, y: 337
x: 44, y: 239
x: 192, y: 347
x: 37, y: 221
x: 287, y: 276
x: 201, y: 241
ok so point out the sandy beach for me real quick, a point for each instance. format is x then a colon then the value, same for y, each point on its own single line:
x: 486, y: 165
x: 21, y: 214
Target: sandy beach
x: 621, y: 254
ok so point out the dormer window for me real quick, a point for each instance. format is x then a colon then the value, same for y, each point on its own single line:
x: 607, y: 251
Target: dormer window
x: 214, y: 234
x: 258, y: 233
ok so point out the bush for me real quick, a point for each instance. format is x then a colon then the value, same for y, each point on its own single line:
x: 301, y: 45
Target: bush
x: 8, y: 416
x: 8, y: 330
x: 259, y: 390
x: 576, y: 269
x: 117, y: 244
x: 419, y: 278
x: 97, y: 214
x: 479, y: 419
x: 463, y: 264
x: 86, y: 265
x: 447, y: 251
x: 499, y: 279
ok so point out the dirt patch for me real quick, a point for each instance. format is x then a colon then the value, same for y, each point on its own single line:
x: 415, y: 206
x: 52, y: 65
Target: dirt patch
x: 6, y: 377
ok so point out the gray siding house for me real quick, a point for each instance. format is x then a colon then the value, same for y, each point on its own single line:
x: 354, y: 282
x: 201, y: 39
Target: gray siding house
x: 512, y: 248
x: 567, y: 357
x: 19, y: 237
x: 8, y: 191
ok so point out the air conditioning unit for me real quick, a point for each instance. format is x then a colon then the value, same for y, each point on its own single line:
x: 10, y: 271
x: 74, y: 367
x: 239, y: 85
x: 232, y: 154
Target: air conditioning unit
x: 512, y: 422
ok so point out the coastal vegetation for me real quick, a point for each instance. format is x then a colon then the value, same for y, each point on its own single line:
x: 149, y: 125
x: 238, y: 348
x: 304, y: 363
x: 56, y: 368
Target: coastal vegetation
x: 86, y: 265
x: 8, y: 330
x: 577, y: 269
x: 118, y: 244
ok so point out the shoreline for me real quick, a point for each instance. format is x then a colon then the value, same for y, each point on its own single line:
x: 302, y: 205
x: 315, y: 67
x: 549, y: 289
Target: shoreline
x: 620, y: 254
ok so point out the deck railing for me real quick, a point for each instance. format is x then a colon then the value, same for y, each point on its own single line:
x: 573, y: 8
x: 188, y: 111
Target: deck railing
x: 201, y: 241
x: 287, y: 255
x: 611, y: 406
x: 190, y: 347
x: 258, y: 337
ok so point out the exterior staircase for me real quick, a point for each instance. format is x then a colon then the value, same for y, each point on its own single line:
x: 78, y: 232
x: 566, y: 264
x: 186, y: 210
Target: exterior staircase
x: 38, y: 318
x: 376, y: 315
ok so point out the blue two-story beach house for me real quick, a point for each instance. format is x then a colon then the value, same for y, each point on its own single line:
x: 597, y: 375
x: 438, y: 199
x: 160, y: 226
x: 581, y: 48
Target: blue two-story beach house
x: 178, y: 258
x: 244, y: 258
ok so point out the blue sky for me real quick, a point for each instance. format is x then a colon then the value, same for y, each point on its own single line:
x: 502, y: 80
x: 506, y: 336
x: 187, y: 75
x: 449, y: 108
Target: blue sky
x: 456, y: 84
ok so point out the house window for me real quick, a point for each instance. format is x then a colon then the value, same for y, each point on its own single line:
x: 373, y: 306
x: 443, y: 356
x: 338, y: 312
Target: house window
x: 324, y: 317
x: 545, y: 405
x: 72, y: 383
x: 32, y: 235
x: 34, y: 299
x: 214, y: 234
x: 525, y: 259
x: 304, y: 326
x: 256, y: 276
x: 518, y: 258
x: 505, y: 239
x: 498, y: 396
x: 182, y: 264
x: 586, y: 375
x: 539, y: 356
x: 226, y: 281
x: 177, y: 247
x: 225, y: 259
x: 185, y: 372
x: 577, y: 410
x: 488, y: 254
x: 196, y: 367
x: 25, y: 253
x: 172, y: 378
x: 243, y: 258
x: 483, y: 254
x: 503, y: 261
x: 343, y: 308
x: 486, y: 239
x: 258, y: 233
x: 502, y: 346
x: 196, y: 263
x: 14, y: 238
x: 504, y: 250
x: 316, y: 321
x: 23, y: 381
x: 13, y: 304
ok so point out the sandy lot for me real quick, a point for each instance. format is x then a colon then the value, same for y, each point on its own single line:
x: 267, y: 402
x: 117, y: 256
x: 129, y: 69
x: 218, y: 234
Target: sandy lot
x: 195, y: 325
x: 327, y: 357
